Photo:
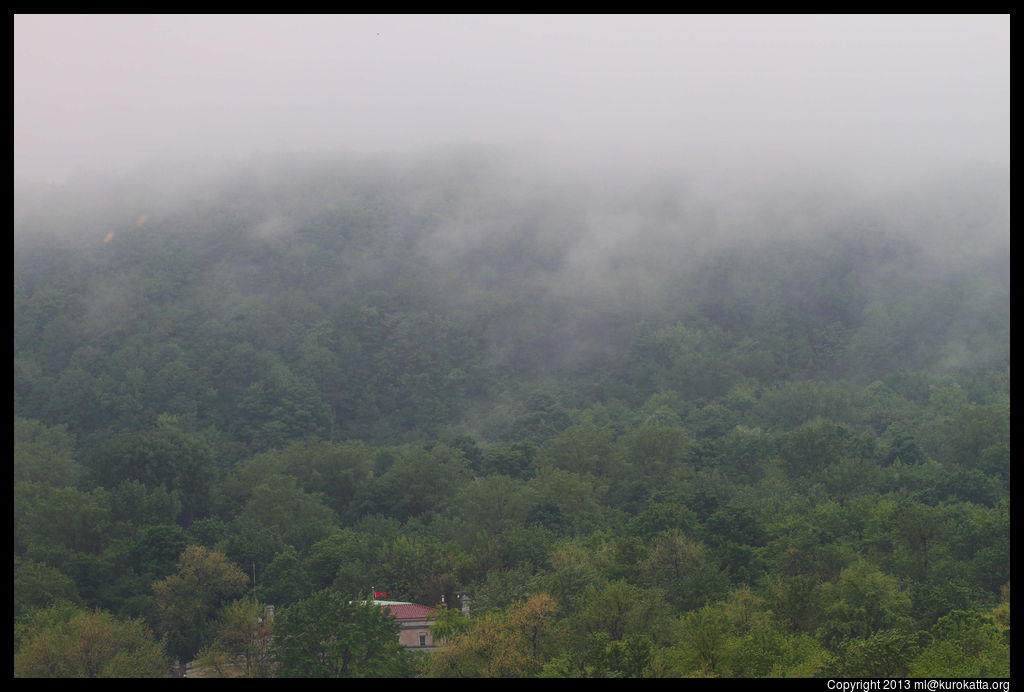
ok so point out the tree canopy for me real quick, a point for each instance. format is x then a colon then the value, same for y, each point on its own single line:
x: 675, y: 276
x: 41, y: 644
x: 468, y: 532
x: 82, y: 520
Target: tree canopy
x: 644, y: 432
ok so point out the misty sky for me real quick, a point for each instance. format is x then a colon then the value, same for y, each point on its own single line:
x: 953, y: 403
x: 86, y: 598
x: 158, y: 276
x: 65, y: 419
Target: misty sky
x: 103, y: 94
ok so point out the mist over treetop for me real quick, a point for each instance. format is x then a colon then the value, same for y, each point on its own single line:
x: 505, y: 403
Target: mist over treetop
x: 478, y: 263
x: 679, y: 345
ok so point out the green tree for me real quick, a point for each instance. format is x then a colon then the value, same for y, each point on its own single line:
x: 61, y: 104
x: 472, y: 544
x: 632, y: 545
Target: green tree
x: 975, y: 437
x: 580, y: 449
x: 683, y: 569
x: 964, y: 644
x: 707, y: 643
x: 282, y: 407
x: 658, y: 517
x: 601, y: 657
x: 915, y: 529
x: 515, y: 643
x: 769, y: 651
x: 176, y: 389
x: 37, y: 585
x: 813, y: 446
x: 421, y: 568
x: 346, y: 556
x: 80, y: 644
x: 654, y: 450
x: 48, y: 519
x: 155, y: 550
x: 515, y: 460
x: 187, y: 601
x: 163, y: 456
x: 792, y: 404
x: 329, y: 636
x: 743, y: 452
x: 242, y: 643
x: 133, y: 502
x: 619, y: 609
x: 864, y: 601
x: 43, y: 454
x: 338, y: 471
x: 285, y: 580
x: 491, y: 503
x: 281, y: 507
x: 575, y: 495
x: 796, y: 601
x: 76, y: 398
x: 544, y: 417
x: 884, y: 654
x: 420, y: 479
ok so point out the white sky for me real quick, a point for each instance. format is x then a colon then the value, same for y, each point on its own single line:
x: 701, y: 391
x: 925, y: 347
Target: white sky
x: 105, y: 93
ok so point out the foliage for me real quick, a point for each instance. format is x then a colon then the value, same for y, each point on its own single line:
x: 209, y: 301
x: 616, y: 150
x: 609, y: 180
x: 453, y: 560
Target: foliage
x: 863, y: 602
x: 242, y: 643
x: 328, y: 636
x: 964, y: 645
x: 88, y: 644
x: 433, y: 378
x: 162, y: 457
x: 188, y: 600
x: 43, y: 454
x: 37, y: 585
x: 884, y: 654
x: 511, y: 644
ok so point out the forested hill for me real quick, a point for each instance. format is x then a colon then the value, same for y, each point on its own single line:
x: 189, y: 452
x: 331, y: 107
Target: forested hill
x: 777, y: 409
x: 397, y: 301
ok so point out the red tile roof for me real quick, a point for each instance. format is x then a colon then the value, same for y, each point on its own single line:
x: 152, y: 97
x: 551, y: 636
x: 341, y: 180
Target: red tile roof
x: 408, y: 611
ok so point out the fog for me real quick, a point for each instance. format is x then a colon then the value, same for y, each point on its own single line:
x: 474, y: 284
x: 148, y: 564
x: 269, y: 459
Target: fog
x: 550, y: 180
x: 514, y: 306
x: 746, y: 96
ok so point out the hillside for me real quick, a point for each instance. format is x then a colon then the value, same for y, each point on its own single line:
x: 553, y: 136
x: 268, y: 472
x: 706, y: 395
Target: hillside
x: 774, y: 410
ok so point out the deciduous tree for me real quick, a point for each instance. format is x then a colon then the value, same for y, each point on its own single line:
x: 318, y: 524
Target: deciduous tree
x: 329, y: 636
x: 187, y: 600
x: 80, y: 644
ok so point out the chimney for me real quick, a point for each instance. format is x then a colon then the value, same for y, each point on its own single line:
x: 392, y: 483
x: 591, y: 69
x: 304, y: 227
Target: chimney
x: 464, y: 598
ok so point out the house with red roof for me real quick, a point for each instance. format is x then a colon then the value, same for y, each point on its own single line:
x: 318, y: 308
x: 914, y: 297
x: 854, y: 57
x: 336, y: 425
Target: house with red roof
x: 415, y: 621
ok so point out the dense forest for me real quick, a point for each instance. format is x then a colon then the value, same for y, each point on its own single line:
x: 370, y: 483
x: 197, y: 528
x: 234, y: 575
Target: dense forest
x: 654, y: 423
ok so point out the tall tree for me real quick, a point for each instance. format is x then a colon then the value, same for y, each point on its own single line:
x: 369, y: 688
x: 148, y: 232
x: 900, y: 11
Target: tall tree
x: 164, y: 456
x: 515, y: 643
x: 864, y: 601
x: 330, y: 636
x: 42, y: 454
x: 187, y: 601
x: 964, y: 644
x: 242, y: 643
x: 81, y: 644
